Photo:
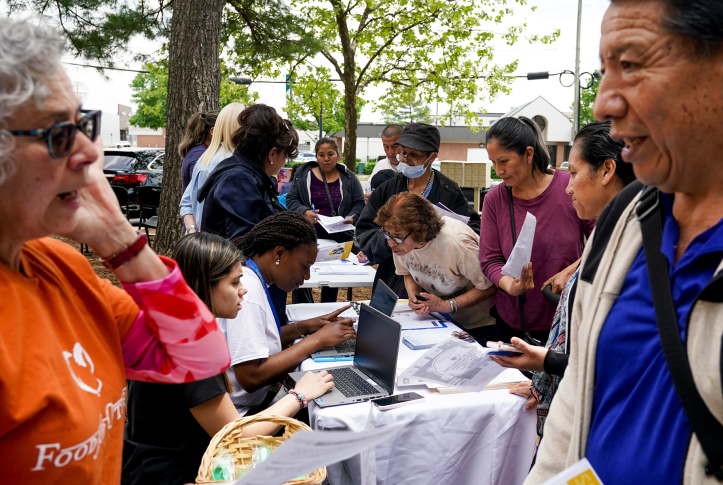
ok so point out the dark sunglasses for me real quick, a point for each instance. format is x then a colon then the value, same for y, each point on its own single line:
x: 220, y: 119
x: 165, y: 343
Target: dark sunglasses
x: 398, y: 240
x: 61, y: 136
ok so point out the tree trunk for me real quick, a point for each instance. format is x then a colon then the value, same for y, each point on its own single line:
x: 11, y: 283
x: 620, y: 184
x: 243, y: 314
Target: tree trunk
x: 194, y: 85
x: 350, y: 125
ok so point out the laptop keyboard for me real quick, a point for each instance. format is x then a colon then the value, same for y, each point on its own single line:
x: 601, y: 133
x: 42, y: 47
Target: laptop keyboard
x: 350, y: 383
x: 347, y: 347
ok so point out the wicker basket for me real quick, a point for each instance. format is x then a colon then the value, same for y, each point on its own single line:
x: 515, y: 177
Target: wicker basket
x: 230, y: 438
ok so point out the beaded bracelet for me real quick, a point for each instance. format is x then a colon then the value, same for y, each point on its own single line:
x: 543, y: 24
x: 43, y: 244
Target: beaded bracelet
x: 299, y: 397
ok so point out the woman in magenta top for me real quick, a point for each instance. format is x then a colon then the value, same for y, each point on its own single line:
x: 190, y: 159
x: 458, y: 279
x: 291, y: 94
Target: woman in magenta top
x: 520, y: 157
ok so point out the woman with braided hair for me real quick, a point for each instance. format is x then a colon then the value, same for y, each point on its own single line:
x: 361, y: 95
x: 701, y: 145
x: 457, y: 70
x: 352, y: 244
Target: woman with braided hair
x: 280, y: 251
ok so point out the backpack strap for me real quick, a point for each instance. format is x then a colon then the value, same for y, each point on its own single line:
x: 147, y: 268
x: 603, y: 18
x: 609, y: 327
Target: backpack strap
x: 707, y: 428
x: 604, y: 228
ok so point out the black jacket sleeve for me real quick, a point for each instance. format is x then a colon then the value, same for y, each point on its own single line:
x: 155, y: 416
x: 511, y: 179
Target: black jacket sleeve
x: 241, y: 203
x: 295, y: 195
x: 357, y: 199
x: 372, y: 243
x: 555, y: 363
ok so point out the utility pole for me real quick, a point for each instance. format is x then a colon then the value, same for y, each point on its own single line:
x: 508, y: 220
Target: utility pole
x: 576, y: 120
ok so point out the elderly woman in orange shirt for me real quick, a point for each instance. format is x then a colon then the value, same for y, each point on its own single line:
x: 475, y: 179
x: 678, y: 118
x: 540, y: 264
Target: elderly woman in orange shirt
x: 69, y: 339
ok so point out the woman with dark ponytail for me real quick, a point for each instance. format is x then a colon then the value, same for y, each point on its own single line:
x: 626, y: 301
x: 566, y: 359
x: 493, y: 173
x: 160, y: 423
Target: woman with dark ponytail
x: 280, y: 251
x: 520, y: 157
x: 199, y: 131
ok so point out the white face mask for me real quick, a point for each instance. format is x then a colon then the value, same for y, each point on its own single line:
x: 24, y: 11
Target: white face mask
x: 413, y: 171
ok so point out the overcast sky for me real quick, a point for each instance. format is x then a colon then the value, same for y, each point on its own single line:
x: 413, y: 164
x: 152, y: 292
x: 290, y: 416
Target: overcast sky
x: 105, y: 94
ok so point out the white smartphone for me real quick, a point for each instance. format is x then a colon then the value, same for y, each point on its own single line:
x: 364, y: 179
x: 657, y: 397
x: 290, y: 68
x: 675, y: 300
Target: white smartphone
x: 503, y: 350
x: 397, y: 400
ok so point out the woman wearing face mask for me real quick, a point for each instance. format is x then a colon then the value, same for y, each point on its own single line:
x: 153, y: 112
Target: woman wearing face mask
x: 280, y: 251
x: 170, y: 425
x: 519, y: 155
x: 419, y: 148
x: 327, y: 188
x: 597, y: 174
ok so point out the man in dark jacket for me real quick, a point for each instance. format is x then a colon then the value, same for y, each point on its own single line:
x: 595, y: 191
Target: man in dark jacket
x: 420, y: 146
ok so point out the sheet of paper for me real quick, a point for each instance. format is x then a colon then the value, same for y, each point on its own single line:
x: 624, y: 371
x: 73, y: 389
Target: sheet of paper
x: 580, y: 473
x: 505, y: 380
x: 341, y: 269
x: 522, y: 252
x: 305, y: 311
x: 304, y: 452
x: 334, y: 224
x: 457, y: 364
x: 334, y: 252
x: 412, y: 321
x: 443, y: 211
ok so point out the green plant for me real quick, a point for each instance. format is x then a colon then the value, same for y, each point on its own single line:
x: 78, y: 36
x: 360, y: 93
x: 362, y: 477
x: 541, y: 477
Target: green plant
x: 369, y: 167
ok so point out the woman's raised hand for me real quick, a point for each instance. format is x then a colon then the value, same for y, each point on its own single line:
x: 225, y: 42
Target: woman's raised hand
x: 532, y: 357
x: 311, y: 216
x: 524, y: 284
x: 315, y: 384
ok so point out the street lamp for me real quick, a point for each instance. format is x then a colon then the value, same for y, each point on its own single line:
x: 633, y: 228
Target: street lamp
x: 244, y: 81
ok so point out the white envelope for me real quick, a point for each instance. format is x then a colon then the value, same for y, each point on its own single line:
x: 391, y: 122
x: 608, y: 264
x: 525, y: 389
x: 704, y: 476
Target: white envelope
x: 522, y: 252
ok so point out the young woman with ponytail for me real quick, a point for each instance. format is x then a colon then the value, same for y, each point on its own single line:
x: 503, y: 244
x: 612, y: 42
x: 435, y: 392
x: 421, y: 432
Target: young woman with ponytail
x: 520, y: 157
x: 170, y: 425
x: 199, y: 131
x: 279, y: 251
x: 220, y: 148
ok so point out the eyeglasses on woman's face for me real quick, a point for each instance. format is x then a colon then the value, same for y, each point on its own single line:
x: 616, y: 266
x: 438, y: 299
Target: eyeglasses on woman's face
x: 61, y: 136
x: 398, y: 240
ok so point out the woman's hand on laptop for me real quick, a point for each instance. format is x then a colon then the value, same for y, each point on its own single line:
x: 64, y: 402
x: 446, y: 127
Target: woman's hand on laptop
x: 335, y: 333
x: 314, y: 324
x: 315, y: 384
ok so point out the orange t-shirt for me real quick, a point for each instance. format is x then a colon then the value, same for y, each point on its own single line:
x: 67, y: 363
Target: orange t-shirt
x: 62, y: 378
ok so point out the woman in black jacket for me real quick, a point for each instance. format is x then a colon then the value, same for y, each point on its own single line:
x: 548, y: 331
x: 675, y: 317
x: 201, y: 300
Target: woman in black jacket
x: 420, y: 145
x: 327, y: 188
x: 240, y: 192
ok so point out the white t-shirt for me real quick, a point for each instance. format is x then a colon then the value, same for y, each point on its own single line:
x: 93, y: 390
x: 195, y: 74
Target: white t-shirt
x: 252, y: 335
x: 449, y: 265
x: 383, y: 164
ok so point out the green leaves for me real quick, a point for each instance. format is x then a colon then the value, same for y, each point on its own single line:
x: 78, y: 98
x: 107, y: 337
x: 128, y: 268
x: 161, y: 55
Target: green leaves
x: 150, y: 92
x: 587, y: 102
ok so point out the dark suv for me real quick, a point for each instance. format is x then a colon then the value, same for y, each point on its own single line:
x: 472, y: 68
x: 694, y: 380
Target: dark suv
x: 133, y: 167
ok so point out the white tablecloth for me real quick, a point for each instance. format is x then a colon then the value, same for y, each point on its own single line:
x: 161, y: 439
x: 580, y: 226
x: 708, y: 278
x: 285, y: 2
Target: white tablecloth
x: 474, y: 438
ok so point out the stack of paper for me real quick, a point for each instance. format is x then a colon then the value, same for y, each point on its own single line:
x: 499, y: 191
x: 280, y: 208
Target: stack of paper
x: 442, y: 210
x: 412, y: 321
x: 334, y: 252
x: 306, y: 311
x: 506, y: 380
x: 334, y: 224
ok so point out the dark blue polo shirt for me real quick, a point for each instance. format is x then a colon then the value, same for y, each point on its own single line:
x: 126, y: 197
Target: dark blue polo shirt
x: 639, y: 432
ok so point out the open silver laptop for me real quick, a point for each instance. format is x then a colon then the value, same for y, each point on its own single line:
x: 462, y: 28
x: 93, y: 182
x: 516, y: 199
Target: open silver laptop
x: 375, y: 362
x: 384, y: 300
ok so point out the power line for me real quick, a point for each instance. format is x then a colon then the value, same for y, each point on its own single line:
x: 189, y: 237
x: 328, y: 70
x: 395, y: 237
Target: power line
x: 102, y: 67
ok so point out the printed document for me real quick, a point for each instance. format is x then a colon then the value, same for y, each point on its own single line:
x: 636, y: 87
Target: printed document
x: 580, y: 473
x: 304, y: 311
x: 456, y: 363
x: 412, y: 321
x: 334, y: 224
x: 444, y: 211
x: 522, y: 252
x: 305, y: 452
x: 333, y: 251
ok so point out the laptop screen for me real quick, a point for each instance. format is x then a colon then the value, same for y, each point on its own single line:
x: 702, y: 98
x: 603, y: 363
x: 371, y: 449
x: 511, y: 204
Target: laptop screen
x: 383, y: 299
x: 377, y: 346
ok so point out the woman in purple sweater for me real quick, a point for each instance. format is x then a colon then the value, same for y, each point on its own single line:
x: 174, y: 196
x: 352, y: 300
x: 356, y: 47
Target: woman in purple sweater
x: 519, y: 156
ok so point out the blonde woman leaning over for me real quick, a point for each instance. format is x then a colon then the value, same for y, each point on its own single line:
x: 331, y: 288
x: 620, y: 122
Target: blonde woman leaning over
x: 221, y: 148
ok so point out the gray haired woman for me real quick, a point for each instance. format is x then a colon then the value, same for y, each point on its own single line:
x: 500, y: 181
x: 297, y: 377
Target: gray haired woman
x: 69, y: 339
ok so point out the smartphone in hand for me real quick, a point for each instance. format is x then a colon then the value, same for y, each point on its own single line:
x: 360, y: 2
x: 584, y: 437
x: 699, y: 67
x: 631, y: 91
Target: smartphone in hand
x: 503, y: 350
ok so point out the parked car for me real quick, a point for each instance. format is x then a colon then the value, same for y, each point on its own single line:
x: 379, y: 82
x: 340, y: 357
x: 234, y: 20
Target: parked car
x: 123, y: 144
x: 309, y: 156
x: 134, y: 167
x: 564, y: 166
